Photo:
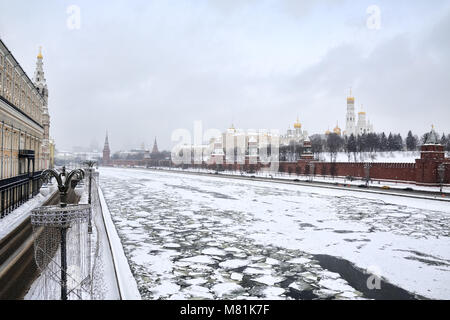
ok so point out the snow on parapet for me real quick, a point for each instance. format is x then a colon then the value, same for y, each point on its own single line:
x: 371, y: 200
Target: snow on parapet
x: 127, y: 285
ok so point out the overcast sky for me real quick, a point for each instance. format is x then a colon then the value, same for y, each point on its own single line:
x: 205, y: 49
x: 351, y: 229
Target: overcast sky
x: 141, y: 69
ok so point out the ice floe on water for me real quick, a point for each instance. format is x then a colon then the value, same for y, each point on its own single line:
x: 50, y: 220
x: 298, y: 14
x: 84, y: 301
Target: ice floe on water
x: 214, y: 252
x: 225, y: 289
x: 233, y: 263
x: 268, y: 280
x: 199, y: 259
x: 190, y: 237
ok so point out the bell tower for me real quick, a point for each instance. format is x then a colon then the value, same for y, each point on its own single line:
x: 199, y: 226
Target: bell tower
x: 350, y: 127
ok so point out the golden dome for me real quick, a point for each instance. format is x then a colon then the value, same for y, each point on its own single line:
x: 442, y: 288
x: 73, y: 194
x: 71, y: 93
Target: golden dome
x: 328, y: 132
x: 337, y: 130
x: 362, y: 113
x: 39, y: 56
x: 297, y: 125
x: 350, y: 98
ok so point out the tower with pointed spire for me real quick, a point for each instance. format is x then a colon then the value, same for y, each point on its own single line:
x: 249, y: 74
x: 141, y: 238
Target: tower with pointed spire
x: 155, y: 147
x: 41, y: 84
x: 106, y: 151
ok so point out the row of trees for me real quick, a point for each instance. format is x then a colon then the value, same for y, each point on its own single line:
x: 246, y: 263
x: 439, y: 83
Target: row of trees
x: 370, y: 143
x: 367, y: 143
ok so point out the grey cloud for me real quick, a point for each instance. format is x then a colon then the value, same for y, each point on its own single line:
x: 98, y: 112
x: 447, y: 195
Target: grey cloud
x: 144, y: 69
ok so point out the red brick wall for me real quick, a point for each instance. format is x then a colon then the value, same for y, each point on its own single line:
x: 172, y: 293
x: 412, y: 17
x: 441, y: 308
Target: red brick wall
x: 381, y: 171
x: 424, y: 171
x: 447, y: 172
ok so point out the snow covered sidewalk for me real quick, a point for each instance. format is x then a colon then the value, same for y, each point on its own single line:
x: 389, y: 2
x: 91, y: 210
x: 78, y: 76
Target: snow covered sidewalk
x: 15, y: 218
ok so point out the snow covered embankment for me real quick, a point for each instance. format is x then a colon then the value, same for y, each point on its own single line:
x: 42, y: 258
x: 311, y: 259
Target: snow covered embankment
x: 127, y: 286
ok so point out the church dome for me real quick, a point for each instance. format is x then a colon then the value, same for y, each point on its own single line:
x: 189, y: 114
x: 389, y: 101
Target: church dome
x: 350, y: 98
x: 337, y: 130
x: 39, y: 56
x: 232, y: 129
x: 297, y: 124
x: 328, y: 132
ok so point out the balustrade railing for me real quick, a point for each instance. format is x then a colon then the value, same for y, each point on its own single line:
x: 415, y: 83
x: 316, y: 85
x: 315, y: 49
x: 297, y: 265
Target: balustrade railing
x: 17, y: 190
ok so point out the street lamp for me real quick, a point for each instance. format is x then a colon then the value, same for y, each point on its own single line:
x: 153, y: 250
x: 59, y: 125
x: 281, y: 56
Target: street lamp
x: 312, y: 168
x: 367, y: 173
x: 90, y: 164
x: 63, y: 188
x: 441, y: 172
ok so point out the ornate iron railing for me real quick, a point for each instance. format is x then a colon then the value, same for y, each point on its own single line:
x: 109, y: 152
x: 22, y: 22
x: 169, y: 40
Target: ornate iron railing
x: 17, y: 190
x: 54, y: 216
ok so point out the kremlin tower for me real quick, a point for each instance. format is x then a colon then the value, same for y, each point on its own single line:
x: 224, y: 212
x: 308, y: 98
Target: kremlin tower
x: 106, y: 151
x: 155, y: 147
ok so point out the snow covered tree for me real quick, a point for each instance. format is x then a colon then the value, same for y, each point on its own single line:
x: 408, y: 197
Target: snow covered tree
x: 395, y: 142
x: 362, y: 143
x: 317, y: 144
x: 352, y: 145
x: 384, y: 145
x: 334, y: 145
x: 424, y: 138
x: 444, y: 140
x: 391, y: 142
x: 373, y: 142
x: 398, y: 142
x: 411, y: 142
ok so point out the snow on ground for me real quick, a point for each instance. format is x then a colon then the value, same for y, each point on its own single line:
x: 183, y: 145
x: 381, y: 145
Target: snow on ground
x: 270, y: 234
x: 16, y: 217
x: 317, y: 178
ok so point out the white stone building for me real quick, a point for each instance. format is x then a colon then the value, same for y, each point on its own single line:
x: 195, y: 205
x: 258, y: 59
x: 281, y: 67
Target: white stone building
x: 297, y: 135
x: 355, y: 126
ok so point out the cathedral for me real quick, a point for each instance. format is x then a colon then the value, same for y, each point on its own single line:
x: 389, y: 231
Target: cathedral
x: 354, y: 126
x: 296, y: 135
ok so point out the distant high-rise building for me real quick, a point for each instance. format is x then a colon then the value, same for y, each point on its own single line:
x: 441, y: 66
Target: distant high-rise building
x: 106, y: 151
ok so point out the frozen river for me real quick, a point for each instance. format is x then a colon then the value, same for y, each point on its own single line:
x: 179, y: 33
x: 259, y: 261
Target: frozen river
x: 193, y: 237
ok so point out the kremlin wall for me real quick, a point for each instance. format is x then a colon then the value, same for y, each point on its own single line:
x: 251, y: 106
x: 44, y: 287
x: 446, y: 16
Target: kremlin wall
x: 432, y: 169
x: 423, y: 172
